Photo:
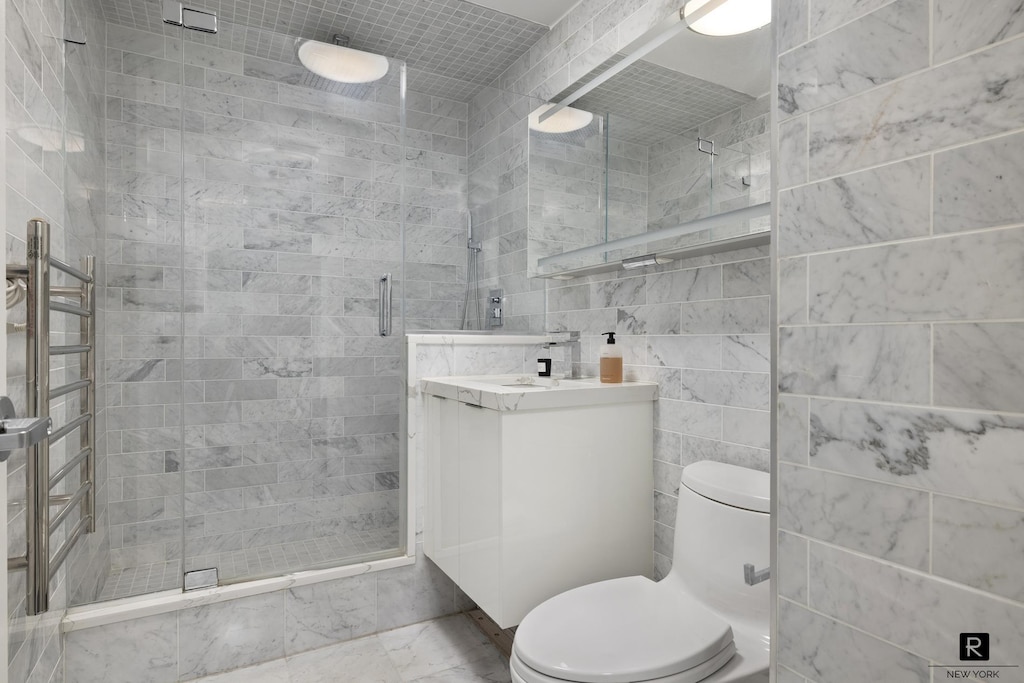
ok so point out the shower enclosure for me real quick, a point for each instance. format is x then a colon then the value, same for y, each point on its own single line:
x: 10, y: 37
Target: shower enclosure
x: 256, y: 223
x: 252, y: 298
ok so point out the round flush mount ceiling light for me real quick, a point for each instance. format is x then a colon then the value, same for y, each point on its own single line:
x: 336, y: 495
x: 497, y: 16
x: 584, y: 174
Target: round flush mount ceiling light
x: 565, y: 120
x: 730, y: 17
x: 342, y: 64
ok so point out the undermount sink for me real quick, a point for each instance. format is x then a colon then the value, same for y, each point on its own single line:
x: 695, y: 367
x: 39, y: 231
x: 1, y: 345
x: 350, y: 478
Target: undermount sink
x: 529, y: 392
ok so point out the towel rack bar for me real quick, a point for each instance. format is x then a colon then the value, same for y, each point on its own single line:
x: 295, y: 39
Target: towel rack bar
x: 70, y: 270
x: 66, y: 291
x: 67, y: 467
x: 68, y: 388
x: 73, y: 501
x: 58, y: 434
x: 69, y: 308
x: 62, y: 553
x: 39, y: 564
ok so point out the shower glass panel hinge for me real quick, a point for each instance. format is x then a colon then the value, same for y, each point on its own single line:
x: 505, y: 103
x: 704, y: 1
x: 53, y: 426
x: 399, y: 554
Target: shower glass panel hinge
x: 177, y: 14
x: 200, y: 578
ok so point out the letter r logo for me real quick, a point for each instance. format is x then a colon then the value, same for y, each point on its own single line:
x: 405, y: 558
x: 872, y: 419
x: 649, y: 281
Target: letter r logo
x: 973, y: 647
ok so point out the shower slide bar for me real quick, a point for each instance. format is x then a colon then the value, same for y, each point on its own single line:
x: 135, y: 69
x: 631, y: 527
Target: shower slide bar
x: 384, y: 303
x: 39, y: 564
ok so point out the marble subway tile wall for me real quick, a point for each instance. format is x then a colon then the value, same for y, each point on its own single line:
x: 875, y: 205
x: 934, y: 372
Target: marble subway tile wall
x: 53, y: 92
x: 698, y: 327
x: 901, y: 407
x: 293, y: 210
x: 566, y: 192
x: 584, y: 191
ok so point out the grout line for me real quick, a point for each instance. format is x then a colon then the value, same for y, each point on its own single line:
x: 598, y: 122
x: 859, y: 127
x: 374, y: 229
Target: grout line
x: 931, y: 364
x: 931, y: 33
x: 931, y: 532
x: 889, y: 162
x: 890, y: 564
x: 900, y: 485
x: 892, y: 403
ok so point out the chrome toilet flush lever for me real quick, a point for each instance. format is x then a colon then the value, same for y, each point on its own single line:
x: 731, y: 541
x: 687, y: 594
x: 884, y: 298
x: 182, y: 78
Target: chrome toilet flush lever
x: 754, y: 577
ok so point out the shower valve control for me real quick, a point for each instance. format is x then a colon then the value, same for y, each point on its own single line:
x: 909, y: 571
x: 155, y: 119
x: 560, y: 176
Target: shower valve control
x: 494, y: 308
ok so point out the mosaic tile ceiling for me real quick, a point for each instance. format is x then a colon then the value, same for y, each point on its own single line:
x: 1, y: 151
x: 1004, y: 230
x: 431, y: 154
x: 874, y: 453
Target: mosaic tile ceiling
x: 460, y: 45
x: 653, y: 101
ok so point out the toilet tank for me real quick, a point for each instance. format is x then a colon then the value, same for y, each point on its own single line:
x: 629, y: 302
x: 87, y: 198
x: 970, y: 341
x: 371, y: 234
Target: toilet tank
x: 722, y: 523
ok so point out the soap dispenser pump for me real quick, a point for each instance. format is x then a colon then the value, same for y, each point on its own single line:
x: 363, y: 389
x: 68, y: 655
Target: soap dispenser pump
x: 611, y: 361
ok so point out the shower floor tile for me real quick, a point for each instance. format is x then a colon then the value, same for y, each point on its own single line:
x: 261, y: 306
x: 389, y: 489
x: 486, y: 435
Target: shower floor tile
x: 232, y: 565
x: 446, y: 650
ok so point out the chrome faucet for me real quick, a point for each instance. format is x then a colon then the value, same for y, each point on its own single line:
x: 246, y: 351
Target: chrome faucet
x: 571, y: 340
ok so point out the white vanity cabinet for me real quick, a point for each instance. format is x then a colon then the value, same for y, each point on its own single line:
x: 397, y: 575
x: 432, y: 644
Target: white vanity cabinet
x: 536, y: 489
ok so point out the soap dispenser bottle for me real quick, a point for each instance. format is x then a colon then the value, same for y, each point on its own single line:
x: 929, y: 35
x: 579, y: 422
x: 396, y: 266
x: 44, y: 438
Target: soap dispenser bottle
x: 611, y: 361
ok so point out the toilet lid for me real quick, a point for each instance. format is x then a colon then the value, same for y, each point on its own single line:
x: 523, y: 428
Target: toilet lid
x: 629, y: 629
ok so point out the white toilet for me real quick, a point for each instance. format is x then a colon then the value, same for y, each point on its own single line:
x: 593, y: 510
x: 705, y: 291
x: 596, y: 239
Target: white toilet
x: 702, y: 622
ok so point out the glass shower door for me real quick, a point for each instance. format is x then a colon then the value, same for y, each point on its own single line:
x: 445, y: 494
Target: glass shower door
x: 141, y: 314
x: 293, y: 240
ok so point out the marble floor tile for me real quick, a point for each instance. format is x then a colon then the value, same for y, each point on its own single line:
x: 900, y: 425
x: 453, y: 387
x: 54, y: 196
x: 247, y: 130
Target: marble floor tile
x: 431, y: 647
x: 271, y: 672
x: 446, y: 650
x: 493, y: 668
x: 364, y: 660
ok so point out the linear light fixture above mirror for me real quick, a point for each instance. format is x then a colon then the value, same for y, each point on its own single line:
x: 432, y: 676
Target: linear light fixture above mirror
x: 567, y: 263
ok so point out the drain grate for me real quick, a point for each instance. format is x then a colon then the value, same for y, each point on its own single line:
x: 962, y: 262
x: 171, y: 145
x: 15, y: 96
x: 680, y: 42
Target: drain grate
x: 200, y: 578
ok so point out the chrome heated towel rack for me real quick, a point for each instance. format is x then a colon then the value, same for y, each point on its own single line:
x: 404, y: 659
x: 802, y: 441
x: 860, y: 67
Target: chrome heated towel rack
x: 42, y: 299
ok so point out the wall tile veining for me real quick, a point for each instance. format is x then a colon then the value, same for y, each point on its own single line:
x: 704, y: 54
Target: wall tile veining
x: 900, y: 405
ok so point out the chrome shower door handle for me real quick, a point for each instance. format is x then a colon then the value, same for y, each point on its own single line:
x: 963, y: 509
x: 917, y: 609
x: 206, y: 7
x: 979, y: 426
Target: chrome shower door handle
x: 384, y: 307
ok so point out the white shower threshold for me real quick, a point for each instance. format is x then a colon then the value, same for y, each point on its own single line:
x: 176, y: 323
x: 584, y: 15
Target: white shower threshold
x: 126, y: 609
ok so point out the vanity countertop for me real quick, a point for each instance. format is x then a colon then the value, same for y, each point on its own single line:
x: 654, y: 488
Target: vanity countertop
x: 528, y: 392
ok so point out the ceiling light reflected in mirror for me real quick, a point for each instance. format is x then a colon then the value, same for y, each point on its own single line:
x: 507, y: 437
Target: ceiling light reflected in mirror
x: 565, y: 120
x: 729, y: 18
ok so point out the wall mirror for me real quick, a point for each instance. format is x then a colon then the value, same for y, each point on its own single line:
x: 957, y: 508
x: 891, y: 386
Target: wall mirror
x: 661, y: 150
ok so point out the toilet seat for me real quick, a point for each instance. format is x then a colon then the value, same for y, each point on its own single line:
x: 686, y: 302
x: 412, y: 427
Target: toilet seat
x: 623, y: 630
